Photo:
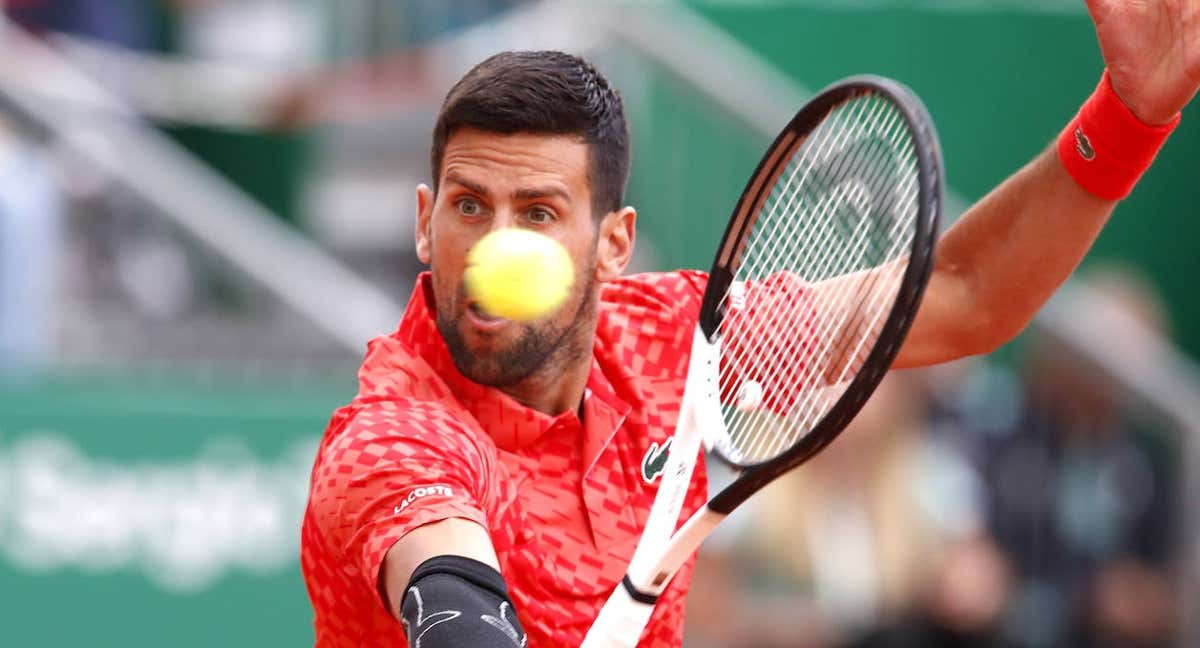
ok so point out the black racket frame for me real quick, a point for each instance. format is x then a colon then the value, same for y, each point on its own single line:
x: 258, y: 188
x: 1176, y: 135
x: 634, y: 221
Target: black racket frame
x: 912, y: 287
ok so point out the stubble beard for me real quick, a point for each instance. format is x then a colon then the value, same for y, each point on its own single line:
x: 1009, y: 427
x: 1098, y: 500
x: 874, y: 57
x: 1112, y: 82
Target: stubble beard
x: 541, y: 346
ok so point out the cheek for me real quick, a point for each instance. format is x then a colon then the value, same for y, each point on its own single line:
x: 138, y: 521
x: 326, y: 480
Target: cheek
x: 583, y: 284
x: 585, y: 267
x: 447, y: 251
x: 446, y: 268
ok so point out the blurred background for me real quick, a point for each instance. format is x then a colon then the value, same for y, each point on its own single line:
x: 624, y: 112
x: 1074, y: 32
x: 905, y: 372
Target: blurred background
x: 206, y: 209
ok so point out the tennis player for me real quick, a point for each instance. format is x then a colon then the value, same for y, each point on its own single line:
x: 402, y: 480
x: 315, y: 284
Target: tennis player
x: 487, y: 485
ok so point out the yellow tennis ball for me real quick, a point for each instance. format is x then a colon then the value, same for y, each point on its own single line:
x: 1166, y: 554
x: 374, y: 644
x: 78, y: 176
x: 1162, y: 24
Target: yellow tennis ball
x: 518, y: 274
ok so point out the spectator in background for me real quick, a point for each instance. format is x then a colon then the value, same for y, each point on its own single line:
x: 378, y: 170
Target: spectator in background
x: 389, y: 81
x: 878, y: 541
x: 1081, y: 489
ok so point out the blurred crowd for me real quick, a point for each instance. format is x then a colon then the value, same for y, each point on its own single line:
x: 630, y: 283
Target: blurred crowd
x: 1026, y: 504
x: 86, y: 269
x: 150, y: 24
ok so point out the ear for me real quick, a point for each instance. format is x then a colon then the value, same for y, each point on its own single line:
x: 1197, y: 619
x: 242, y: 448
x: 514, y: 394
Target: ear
x: 614, y: 245
x: 424, y: 236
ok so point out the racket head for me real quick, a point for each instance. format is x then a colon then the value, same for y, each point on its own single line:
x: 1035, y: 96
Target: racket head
x: 887, y: 168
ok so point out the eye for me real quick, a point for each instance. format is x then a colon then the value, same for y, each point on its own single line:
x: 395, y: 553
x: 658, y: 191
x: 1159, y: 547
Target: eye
x: 540, y: 215
x: 469, y: 207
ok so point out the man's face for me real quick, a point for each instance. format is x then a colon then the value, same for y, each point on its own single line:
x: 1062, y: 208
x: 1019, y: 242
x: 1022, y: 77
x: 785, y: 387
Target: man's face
x: 491, y: 181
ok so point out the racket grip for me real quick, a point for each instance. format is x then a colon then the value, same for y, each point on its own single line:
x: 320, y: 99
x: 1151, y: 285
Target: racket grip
x: 621, y: 621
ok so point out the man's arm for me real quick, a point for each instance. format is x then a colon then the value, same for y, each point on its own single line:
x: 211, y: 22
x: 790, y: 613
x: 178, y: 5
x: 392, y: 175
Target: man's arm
x: 442, y: 582
x: 453, y: 536
x: 1001, y: 261
x: 409, y: 523
x: 1007, y: 255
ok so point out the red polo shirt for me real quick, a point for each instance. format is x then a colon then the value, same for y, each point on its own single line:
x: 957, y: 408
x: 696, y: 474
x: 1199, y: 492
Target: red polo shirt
x: 564, y: 499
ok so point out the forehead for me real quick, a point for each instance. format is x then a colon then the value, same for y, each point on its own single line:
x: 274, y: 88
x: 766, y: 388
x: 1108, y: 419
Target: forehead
x: 519, y: 158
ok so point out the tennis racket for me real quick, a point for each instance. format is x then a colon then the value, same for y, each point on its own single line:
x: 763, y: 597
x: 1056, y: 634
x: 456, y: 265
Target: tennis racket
x: 815, y: 284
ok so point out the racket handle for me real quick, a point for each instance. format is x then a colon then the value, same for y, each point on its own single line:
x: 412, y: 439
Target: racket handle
x: 621, y: 621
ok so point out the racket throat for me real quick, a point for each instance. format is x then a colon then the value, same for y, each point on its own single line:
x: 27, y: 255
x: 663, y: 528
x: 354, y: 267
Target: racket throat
x: 702, y: 397
x: 655, y: 577
x: 700, y: 422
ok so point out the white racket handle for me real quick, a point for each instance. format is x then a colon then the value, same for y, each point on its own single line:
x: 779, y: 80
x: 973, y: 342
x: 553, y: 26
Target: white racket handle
x: 623, y: 618
x: 620, y: 623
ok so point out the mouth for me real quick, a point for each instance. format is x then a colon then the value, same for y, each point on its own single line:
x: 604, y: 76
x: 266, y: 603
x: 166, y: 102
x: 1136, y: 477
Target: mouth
x: 481, y: 319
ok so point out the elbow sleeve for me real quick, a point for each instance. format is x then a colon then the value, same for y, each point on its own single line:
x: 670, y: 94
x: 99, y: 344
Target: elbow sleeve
x: 455, y: 602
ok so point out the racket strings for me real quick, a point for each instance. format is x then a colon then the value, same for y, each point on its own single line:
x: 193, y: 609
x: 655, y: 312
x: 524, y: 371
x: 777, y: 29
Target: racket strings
x: 782, y: 242
x: 819, y: 273
x: 776, y: 232
x: 821, y: 398
x: 818, y: 242
x: 774, y: 241
x: 817, y: 400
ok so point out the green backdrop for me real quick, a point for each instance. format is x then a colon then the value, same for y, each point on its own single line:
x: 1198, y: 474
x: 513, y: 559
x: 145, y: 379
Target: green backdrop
x: 157, y: 510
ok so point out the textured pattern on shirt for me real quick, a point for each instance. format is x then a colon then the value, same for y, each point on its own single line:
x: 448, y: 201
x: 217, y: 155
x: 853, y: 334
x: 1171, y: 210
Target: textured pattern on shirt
x: 563, y: 499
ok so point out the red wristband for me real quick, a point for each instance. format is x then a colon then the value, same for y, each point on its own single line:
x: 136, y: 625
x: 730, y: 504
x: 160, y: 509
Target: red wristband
x: 1106, y: 148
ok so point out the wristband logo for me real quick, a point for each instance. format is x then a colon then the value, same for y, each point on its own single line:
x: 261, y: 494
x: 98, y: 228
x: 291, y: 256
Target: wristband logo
x: 1083, y: 145
x: 418, y: 493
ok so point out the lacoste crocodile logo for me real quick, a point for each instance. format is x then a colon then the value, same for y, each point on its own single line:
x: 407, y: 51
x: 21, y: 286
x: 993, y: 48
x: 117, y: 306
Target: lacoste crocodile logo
x: 1084, y: 146
x: 655, y: 460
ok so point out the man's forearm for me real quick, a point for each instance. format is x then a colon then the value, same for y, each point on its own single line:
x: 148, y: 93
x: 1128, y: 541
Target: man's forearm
x: 1002, y: 260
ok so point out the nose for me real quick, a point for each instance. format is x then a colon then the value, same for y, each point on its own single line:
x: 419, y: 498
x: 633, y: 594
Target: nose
x: 502, y: 218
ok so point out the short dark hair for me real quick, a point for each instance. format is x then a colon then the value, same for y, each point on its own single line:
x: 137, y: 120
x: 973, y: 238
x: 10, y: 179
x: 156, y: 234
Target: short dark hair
x: 544, y: 92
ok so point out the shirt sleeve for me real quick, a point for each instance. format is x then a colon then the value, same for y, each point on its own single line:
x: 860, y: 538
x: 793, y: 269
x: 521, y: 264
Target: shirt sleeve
x: 393, y: 468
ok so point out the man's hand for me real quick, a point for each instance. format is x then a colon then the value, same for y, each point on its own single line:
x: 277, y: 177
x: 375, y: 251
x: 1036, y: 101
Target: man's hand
x: 1152, y: 50
x: 1007, y: 254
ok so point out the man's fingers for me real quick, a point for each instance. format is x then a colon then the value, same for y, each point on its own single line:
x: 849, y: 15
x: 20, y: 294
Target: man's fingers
x: 1191, y: 34
x: 1100, y: 9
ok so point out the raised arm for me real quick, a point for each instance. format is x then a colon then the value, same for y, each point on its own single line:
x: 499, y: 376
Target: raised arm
x: 998, y: 264
x: 1004, y: 258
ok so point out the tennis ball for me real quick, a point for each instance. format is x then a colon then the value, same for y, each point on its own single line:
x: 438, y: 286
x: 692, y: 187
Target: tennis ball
x: 518, y: 274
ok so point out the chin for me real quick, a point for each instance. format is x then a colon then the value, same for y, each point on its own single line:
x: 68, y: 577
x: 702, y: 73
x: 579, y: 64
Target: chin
x: 487, y: 369
x: 488, y: 375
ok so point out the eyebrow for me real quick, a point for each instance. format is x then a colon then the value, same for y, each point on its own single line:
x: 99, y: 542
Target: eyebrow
x: 533, y: 193
x: 528, y: 193
x: 473, y: 186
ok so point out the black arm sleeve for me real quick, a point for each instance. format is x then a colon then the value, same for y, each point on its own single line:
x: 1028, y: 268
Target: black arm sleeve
x: 456, y: 602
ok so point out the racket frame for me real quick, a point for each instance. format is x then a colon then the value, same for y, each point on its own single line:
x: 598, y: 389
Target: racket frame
x: 912, y: 285
x: 660, y: 552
